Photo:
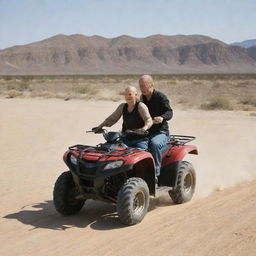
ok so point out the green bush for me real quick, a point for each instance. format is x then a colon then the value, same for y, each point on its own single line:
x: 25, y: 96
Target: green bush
x: 217, y: 103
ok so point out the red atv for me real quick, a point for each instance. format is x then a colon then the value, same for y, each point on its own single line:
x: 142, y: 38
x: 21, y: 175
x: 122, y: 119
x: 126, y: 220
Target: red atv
x: 114, y: 173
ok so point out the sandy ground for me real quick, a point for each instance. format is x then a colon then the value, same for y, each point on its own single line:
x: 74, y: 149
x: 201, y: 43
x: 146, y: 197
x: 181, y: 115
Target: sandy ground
x: 220, y: 219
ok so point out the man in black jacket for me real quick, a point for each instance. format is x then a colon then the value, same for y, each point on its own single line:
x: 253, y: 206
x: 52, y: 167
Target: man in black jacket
x: 161, y: 112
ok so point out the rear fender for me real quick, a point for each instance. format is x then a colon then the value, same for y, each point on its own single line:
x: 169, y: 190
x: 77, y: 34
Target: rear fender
x: 178, y: 152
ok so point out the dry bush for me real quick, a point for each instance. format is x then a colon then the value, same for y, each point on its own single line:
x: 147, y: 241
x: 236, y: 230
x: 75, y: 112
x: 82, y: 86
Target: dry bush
x: 184, y: 90
x: 217, y: 103
x: 20, y: 86
x: 242, y: 84
x: 86, y: 89
x: 43, y: 94
x: 13, y: 94
x: 249, y: 100
x: 217, y: 85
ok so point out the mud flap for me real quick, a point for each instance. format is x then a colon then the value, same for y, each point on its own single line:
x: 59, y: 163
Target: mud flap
x: 168, y: 174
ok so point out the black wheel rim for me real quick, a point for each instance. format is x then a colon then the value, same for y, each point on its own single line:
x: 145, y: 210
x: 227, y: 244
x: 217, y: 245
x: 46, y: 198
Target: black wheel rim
x: 139, y: 203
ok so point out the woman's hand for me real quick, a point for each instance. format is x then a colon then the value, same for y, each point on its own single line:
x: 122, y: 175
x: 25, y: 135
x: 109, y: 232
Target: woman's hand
x: 97, y: 129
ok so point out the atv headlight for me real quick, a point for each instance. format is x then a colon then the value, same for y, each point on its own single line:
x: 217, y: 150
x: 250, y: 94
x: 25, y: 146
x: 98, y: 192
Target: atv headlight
x: 113, y: 165
x: 73, y: 160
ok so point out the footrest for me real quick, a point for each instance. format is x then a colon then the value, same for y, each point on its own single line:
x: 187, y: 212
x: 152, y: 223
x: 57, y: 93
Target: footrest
x: 163, y: 189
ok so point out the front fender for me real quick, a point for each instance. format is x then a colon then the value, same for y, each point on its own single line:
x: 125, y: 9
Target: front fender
x: 65, y: 157
x: 143, y: 167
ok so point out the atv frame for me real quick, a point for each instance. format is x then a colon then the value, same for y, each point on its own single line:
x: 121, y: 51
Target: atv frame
x: 113, y: 173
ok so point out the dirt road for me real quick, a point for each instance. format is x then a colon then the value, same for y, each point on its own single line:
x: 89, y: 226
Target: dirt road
x: 220, y: 220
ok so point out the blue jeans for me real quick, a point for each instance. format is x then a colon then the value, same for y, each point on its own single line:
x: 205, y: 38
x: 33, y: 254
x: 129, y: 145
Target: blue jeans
x: 140, y: 143
x: 157, y: 143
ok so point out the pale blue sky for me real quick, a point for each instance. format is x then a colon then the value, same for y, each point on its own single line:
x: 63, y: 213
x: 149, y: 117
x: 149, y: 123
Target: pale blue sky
x: 25, y: 21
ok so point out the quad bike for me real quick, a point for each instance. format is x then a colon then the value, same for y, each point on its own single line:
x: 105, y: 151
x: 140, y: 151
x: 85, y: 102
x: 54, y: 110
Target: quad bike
x: 124, y: 176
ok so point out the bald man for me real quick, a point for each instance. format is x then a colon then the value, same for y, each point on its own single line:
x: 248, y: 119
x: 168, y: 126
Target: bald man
x: 161, y: 112
x: 135, y: 117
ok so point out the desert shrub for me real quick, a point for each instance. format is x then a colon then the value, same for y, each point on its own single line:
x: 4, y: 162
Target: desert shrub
x: 216, y: 85
x: 13, y: 94
x: 241, y: 83
x: 43, y: 94
x: 217, y: 103
x: 27, y: 78
x: 8, y: 78
x: 249, y: 101
x: 22, y: 86
x: 86, y: 90
x: 11, y: 87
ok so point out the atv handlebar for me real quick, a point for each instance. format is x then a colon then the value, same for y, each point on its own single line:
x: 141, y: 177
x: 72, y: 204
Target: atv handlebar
x: 175, y: 139
x: 104, y: 131
x: 98, y: 131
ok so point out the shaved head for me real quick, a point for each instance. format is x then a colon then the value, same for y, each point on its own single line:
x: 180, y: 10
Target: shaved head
x: 130, y: 95
x: 146, y: 79
x: 146, y: 85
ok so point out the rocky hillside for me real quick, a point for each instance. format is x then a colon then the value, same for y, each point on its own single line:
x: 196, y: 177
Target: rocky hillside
x: 79, y: 54
x: 252, y: 52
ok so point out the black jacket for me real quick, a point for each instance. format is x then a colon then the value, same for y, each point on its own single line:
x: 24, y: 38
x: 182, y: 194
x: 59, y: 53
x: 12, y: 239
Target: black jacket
x: 159, y: 105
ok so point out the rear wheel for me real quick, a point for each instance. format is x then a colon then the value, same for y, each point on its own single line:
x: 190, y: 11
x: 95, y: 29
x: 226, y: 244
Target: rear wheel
x: 64, y: 195
x: 185, y: 183
x: 133, y: 201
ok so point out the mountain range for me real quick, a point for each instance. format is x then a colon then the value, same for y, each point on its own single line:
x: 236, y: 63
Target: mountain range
x: 246, y: 43
x: 80, y: 54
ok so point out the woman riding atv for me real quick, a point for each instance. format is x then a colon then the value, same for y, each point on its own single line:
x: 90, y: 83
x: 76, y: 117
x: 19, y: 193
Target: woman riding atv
x: 136, y: 118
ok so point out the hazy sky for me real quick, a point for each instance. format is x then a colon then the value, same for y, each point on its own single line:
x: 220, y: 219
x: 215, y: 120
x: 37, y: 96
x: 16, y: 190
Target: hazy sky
x: 25, y: 21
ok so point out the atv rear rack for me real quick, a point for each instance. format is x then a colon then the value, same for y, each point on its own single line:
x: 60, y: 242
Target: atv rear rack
x: 180, y: 139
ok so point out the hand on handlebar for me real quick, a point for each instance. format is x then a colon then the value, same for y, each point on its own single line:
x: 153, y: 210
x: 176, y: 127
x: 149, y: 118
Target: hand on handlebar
x: 97, y: 129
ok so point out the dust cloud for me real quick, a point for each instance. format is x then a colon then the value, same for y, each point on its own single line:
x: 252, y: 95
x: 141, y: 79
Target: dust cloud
x: 226, y: 144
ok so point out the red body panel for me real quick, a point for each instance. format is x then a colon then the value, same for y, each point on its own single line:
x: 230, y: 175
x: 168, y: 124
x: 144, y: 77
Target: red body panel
x: 131, y: 156
x: 177, y: 153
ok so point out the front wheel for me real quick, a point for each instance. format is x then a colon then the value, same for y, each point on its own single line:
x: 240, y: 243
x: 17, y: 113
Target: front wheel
x: 133, y: 201
x: 185, y: 183
x: 64, y: 195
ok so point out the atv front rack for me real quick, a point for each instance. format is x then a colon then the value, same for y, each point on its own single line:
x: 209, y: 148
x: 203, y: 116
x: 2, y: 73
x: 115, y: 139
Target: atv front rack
x: 181, y: 139
x: 91, y: 150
